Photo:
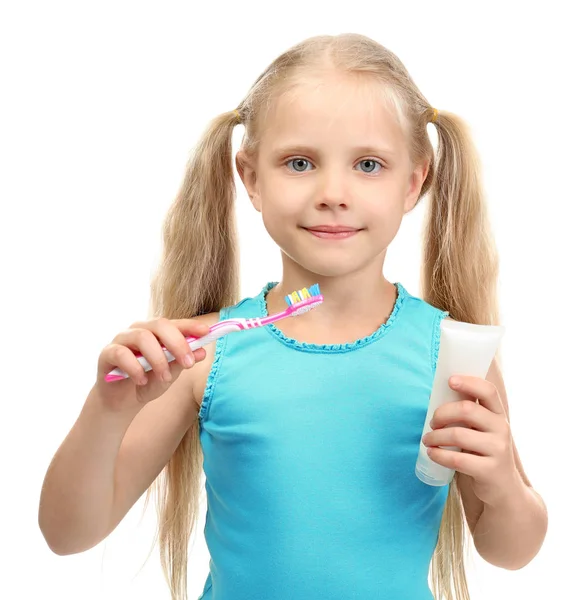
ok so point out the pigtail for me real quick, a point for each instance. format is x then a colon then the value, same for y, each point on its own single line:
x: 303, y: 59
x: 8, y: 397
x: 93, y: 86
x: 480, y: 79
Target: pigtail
x: 199, y: 274
x: 199, y: 271
x: 459, y: 275
x: 460, y: 260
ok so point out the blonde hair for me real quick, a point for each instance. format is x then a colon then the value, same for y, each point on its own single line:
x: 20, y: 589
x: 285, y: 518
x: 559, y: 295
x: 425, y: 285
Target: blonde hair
x: 199, y: 271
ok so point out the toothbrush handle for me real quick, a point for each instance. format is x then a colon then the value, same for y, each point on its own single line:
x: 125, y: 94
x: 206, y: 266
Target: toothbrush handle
x: 216, y: 331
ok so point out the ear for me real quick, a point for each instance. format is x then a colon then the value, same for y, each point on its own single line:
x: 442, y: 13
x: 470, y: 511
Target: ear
x: 417, y: 179
x: 246, y: 169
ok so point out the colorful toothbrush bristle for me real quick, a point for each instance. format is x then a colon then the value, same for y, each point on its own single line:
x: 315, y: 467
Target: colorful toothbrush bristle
x: 303, y: 294
x: 303, y: 300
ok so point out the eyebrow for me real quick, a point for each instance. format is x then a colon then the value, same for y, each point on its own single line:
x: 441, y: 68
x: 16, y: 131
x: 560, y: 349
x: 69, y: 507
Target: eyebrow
x: 303, y: 149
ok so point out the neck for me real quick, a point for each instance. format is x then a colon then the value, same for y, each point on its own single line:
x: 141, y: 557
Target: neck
x: 363, y: 298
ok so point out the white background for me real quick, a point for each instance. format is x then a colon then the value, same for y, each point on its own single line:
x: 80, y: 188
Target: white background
x: 102, y: 103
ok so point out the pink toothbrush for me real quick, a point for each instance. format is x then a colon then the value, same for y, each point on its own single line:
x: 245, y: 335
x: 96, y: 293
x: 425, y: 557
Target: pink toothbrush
x: 298, y: 302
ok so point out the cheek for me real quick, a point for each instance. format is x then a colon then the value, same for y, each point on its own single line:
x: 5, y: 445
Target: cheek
x: 384, y: 222
x: 279, y: 227
x: 383, y: 210
x: 280, y: 212
x: 280, y: 201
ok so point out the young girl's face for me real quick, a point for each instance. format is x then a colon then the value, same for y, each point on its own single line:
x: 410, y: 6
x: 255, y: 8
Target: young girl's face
x: 332, y: 154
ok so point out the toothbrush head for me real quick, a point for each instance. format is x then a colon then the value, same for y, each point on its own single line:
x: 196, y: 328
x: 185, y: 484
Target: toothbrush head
x: 304, y: 300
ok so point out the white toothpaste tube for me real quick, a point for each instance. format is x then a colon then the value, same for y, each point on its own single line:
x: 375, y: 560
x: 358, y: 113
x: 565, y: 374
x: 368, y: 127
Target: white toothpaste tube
x: 464, y: 349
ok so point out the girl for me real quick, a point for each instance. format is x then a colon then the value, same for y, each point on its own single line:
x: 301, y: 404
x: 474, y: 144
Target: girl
x: 308, y: 430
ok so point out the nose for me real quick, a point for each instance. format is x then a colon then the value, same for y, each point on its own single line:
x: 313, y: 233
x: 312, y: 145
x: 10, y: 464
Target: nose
x: 332, y: 190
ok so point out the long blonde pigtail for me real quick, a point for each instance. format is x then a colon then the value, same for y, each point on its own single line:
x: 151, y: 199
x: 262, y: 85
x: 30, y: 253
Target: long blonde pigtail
x: 459, y: 275
x: 199, y: 274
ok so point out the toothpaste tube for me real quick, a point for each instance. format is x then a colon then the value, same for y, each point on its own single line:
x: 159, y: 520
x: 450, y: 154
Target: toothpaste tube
x: 464, y: 349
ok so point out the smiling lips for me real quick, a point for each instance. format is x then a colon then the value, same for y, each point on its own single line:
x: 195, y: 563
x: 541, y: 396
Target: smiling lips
x: 333, y: 232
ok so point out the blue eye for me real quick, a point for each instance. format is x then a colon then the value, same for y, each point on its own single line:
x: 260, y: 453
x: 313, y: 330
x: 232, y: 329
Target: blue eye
x: 371, y: 165
x: 299, y: 165
x: 299, y: 162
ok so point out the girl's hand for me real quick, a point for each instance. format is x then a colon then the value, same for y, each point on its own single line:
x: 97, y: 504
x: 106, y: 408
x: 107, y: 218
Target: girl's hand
x: 147, y: 337
x: 487, y: 447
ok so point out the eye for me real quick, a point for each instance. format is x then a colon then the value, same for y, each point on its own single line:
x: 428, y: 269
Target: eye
x: 299, y: 164
x: 372, y: 166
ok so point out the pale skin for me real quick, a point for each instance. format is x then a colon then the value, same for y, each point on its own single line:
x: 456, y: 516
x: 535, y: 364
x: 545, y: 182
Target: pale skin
x: 321, y: 162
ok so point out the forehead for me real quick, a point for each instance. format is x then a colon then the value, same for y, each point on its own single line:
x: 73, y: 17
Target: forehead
x: 332, y: 108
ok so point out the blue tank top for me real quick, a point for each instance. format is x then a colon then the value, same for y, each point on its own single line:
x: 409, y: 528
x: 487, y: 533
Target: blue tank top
x: 309, y: 457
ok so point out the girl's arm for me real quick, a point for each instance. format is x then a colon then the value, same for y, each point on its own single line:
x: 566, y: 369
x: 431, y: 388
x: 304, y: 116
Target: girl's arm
x: 511, y: 534
x: 110, y: 458
x: 76, y: 504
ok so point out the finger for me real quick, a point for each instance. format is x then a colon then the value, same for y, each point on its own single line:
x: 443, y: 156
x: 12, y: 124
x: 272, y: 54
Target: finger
x: 465, y: 413
x: 192, y: 327
x: 469, y: 440
x: 469, y: 464
x: 172, y: 335
x: 187, y: 327
x: 145, y: 342
x: 477, y: 388
x: 119, y: 355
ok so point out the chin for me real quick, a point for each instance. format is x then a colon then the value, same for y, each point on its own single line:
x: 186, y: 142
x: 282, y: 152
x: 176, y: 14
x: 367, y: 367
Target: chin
x: 326, y: 262
x: 326, y: 266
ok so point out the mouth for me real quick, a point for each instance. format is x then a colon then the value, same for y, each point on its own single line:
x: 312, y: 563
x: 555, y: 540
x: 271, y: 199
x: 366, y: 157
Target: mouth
x: 333, y: 232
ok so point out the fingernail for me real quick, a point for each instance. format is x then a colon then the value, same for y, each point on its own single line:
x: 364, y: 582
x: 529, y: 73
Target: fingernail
x: 455, y: 381
x: 188, y: 360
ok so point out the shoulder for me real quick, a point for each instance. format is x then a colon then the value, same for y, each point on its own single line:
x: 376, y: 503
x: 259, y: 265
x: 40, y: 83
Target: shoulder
x: 200, y: 371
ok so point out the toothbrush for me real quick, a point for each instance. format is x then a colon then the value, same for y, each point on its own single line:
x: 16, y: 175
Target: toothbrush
x: 298, y: 303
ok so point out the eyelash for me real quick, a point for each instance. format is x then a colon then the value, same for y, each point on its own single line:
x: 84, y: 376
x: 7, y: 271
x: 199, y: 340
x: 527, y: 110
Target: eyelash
x: 362, y: 160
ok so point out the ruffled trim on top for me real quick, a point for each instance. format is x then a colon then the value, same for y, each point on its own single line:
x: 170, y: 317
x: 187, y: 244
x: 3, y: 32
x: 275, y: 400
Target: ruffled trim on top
x: 437, y: 338
x: 211, y: 381
x: 326, y: 348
